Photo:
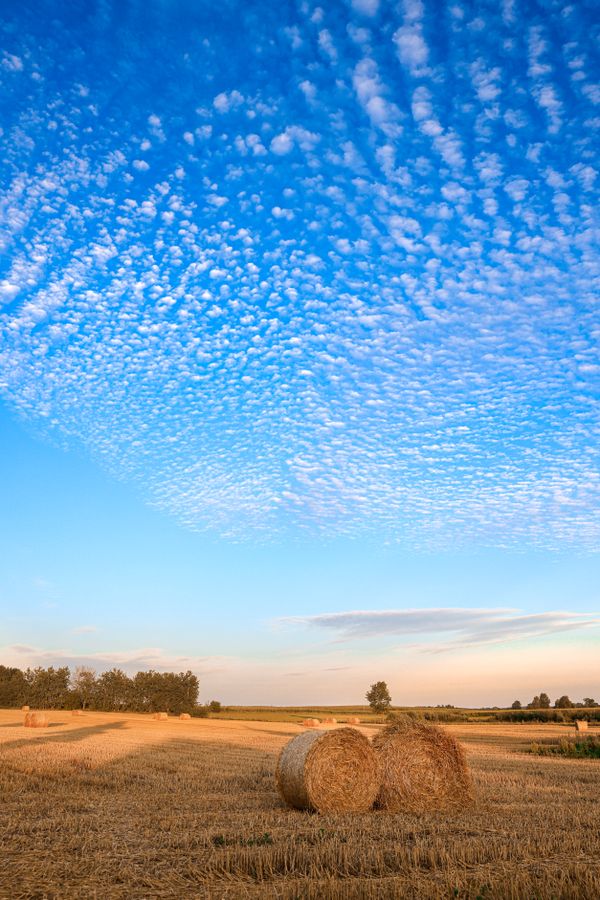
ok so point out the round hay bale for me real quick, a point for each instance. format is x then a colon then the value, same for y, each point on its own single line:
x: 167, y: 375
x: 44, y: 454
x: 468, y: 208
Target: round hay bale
x: 422, y: 768
x: 353, y: 720
x: 184, y: 716
x: 76, y: 712
x: 328, y: 771
x: 311, y: 723
x: 35, y: 720
x: 161, y: 715
x: 581, y: 725
x: 330, y: 721
x: 24, y: 709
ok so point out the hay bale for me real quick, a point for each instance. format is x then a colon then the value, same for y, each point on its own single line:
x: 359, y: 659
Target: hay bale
x: 353, y: 720
x: 35, y: 720
x: 161, y: 715
x: 24, y: 709
x: 311, y: 723
x: 330, y: 721
x: 184, y: 716
x: 76, y: 712
x: 581, y: 725
x: 422, y: 768
x: 328, y: 771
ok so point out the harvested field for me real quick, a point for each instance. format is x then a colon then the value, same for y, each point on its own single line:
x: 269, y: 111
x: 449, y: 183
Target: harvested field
x: 122, y: 806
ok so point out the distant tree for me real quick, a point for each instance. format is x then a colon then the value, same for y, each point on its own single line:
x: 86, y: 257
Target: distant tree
x: 563, y: 703
x: 13, y: 687
x: 544, y: 701
x: 378, y: 697
x: 83, y: 686
x: 114, y: 691
x: 589, y: 702
x: 516, y: 704
x: 214, y: 706
x: 47, y: 688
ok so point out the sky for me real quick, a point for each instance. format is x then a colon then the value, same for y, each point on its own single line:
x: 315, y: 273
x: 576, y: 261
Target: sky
x: 299, y: 373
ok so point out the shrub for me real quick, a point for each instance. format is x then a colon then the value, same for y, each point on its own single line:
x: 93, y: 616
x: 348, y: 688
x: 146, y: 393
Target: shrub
x: 576, y: 748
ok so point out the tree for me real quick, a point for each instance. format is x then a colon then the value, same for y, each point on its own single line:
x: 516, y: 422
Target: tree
x: 516, y: 704
x: 13, y: 687
x: 83, y: 685
x: 563, y: 703
x: 378, y: 696
x: 540, y: 702
x: 589, y: 702
x: 48, y: 688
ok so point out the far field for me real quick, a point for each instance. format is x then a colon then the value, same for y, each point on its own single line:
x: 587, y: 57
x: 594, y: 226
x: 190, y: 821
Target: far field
x: 109, y: 805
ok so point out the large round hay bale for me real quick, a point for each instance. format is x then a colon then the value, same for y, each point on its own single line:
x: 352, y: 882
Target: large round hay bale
x: 353, y: 720
x: 328, y: 771
x: 422, y: 768
x: 161, y: 715
x: 184, y: 716
x: 35, y: 720
x: 311, y: 723
x: 581, y: 725
x: 330, y: 720
x: 24, y: 709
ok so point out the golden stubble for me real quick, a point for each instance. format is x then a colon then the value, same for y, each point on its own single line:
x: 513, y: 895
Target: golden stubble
x: 123, y: 806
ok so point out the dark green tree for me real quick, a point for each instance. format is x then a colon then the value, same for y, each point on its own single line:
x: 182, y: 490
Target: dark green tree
x: 48, y: 688
x: 516, y: 704
x: 378, y: 697
x: 563, y: 703
x: 13, y: 687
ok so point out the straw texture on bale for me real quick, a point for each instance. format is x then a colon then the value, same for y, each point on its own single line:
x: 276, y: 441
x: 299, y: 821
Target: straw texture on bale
x: 581, y: 724
x: 161, y: 715
x: 328, y: 771
x: 184, y: 716
x: 24, y: 709
x: 353, y: 720
x: 311, y: 723
x: 422, y: 768
x: 35, y: 720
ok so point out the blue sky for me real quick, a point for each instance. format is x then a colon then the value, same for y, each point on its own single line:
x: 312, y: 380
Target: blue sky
x: 299, y: 344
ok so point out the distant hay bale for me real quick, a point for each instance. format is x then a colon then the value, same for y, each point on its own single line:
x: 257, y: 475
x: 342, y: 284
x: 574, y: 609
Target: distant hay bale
x: 422, y: 768
x: 330, y: 721
x: 328, y: 771
x: 35, y: 720
x: 161, y: 715
x: 76, y: 712
x: 24, y: 709
x: 581, y: 725
x: 353, y: 720
x: 184, y: 716
x: 311, y: 723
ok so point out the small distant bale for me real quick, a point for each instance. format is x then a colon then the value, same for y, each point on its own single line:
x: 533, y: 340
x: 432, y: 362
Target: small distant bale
x: 330, y: 721
x: 353, y: 720
x: 35, y: 720
x: 422, y: 768
x: 161, y: 715
x: 311, y: 723
x: 328, y: 772
x: 184, y: 716
x: 24, y: 709
x: 581, y: 725
x: 76, y: 712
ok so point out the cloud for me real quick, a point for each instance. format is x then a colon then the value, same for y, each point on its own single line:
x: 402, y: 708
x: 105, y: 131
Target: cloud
x: 85, y: 629
x: 472, y: 627
x: 129, y: 660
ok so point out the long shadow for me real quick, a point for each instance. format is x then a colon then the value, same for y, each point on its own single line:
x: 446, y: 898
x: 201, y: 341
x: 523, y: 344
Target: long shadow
x: 12, y: 725
x: 65, y: 737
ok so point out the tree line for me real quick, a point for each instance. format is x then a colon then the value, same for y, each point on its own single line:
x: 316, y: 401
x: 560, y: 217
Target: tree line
x: 542, y: 701
x: 112, y: 691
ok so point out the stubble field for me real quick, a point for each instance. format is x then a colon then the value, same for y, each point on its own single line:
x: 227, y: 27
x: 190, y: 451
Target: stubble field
x: 122, y: 806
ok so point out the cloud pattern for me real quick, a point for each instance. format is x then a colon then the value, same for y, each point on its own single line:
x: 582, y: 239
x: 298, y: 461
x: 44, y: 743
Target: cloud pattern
x: 453, y: 628
x: 297, y: 269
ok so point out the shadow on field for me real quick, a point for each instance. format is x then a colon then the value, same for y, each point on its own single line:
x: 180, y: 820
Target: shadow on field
x: 65, y: 737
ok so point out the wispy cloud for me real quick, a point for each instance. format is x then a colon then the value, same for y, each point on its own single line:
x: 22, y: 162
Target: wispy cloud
x: 85, y: 629
x: 129, y: 660
x: 463, y: 627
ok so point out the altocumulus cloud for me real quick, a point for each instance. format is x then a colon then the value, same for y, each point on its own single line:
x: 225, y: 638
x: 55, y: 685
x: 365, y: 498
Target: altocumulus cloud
x: 462, y: 627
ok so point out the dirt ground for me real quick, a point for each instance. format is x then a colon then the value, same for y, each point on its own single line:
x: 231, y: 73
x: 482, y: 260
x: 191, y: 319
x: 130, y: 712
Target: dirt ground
x: 109, y: 805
